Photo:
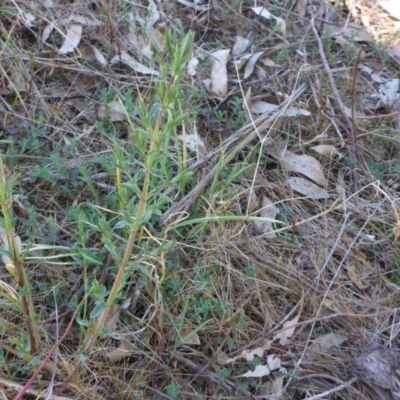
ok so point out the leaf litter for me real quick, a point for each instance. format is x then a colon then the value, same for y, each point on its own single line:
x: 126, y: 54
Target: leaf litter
x: 230, y: 263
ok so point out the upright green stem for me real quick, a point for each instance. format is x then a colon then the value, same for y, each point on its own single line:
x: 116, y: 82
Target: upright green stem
x: 155, y: 135
x: 16, y: 269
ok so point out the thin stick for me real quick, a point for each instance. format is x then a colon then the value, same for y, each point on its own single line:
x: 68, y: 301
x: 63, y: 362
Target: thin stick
x: 332, y: 83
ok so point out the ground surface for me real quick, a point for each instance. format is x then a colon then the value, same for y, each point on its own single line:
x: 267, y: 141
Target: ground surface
x: 199, y: 201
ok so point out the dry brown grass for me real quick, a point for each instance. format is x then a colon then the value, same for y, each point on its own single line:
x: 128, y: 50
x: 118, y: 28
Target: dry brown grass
x: 334, y: 263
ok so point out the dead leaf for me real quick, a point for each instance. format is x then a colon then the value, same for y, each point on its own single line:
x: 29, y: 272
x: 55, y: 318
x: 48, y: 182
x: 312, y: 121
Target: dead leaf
x: 82, y: 20
x: 247, y: 104
x: 113, y: 317
x: 274, y: 363
x: 91, y: 53
x: 47, y: 31
x: 125, y: 349
x: 332, y: 305
x: 197, y: 7
x: 349, y: 113
x: 394, y: 52
x: 307, y: 188
x: 113, y: 110
x: 391, y: 7
x: 219, y: 74
x: 305, y: 165
x: 248, y: 355
x: 259, y: 371
x: 389, y: 92
x: 252, y: 62
x: 351, y: 272
x: 241, y: 45
x: 222, y: 358
x: 322, y: 344
x: 192, y: 66
x: 188, y: 337
x: 351, y: 31
x: 194, y: 143
x: 262, y: 107
x: 268, y: 211
x: 241, y: 52
x: 263, y: 12
x: 253, y: 202
x: 287, y: 331
x: 135, y: 65
x: 72, y: 38
x: 4, y: 241
x: 327, y: 150
x: 153, y: 13
x: 301, y: 7
x: 28, y: 19
x: 276, y: 389
x: 378, y: 78
x: 269, y: 63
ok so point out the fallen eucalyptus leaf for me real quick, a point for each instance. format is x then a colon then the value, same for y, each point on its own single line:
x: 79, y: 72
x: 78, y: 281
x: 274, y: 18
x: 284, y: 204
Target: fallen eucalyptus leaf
x: 307, y: 188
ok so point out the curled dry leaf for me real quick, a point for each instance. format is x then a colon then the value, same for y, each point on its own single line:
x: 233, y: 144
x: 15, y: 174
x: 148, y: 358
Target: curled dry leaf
x: 269, y: 212
x: 354, y: 277
x: 327, y: 150
x: 248, y: 355
x: 192, y: 66
x: 376, y: 77
x: 82, y: 20
x: 241, y: 51
x: 351, y: 30
x: 251, y: 64
x: 262, y: 107
x: 135, y: 65
x: 125, y: 349
x: 259, y: 371
x: 219, y: 74
x: 99, y: 56
x: 72, y: 38
x: 287, y: 331
x: 4, y: 241
x: 307, y: 188
x: 91, y: 53
x: 193, y: 143
x: 188, y: 336
x: 154, y: 14
x: 197, y: 7
x: 28, y: 19
x: 113, y: 110
x: 47, y: 32
x: 323, y: 344
x: 389, y: 93
x: 274, y: 363
x: 241, y: 45
x: 305, y: 165
x: 113, y: 317
x: 269, y: 63
x: 263, y: 12
x: 349, y: 112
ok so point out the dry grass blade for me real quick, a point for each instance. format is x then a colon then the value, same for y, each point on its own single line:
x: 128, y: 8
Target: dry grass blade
x: 244, y: 135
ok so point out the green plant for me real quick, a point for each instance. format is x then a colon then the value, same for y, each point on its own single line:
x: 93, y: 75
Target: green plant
x: 139, y: 195
x: 173, y: 390
x: 13, y: 257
